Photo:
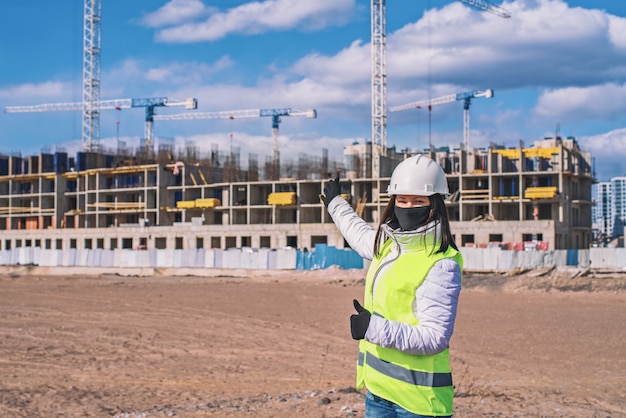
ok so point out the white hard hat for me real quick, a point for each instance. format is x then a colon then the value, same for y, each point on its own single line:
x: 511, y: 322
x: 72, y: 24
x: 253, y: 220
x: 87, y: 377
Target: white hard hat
x: 419, y: 176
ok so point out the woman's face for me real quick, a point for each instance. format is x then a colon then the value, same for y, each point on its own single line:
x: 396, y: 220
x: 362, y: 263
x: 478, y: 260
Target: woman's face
x: 411, y: 201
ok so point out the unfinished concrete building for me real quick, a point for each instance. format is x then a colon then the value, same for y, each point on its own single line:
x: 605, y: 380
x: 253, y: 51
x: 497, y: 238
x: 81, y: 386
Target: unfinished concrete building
x: 519, y: 198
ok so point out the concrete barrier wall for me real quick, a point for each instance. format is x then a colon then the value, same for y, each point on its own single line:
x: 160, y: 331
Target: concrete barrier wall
x: 607, y: 257
x: 240, y: 258
x: 324, y: 256
x: 498, y: 259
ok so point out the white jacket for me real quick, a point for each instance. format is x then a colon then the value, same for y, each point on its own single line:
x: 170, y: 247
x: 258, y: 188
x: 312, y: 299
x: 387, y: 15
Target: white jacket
x: 436, y: 299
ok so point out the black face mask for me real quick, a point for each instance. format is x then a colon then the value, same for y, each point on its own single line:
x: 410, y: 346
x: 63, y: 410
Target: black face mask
x: 412, y: 218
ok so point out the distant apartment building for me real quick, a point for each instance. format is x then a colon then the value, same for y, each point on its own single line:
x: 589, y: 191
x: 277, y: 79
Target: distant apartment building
x: 536, y: 197
x: 601, y: 211
x: 609, y: 209
x: 618, y: 206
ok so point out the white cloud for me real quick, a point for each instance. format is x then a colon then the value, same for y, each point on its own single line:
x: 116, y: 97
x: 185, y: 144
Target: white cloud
x: 175, y: 12
x: 544, y: 43
x: 261, y: 16
x: 38, y: 91
x: 601, y: 102
x: 137, y: 78
x: 177, y: 73
x: 617, y: 29
x: 610, y: 149
x: 300, y: 95
x: 117, y: 80
x: 350, y: 66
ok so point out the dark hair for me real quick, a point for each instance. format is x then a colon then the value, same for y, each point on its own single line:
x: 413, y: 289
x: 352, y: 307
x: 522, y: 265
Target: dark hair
x: 439, y: 212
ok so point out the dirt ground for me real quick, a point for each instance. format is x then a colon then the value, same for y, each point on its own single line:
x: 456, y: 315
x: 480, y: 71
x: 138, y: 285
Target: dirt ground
x: 277, y: 344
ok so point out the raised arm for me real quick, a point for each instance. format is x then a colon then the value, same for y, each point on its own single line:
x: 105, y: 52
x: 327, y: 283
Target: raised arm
x: 359, y: 234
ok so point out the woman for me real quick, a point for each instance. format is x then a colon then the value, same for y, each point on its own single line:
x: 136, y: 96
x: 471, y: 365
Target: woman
x: 411, y: 293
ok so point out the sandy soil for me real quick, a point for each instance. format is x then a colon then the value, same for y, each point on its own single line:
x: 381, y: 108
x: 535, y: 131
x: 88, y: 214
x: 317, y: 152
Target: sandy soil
x: 277, y: 344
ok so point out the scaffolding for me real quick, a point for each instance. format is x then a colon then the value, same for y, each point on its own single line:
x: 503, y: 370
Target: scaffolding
x: 539, y: 191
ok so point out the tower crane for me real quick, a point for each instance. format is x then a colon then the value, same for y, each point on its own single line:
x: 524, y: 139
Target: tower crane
x: 467, y: 99
x: 274, y: 113
x: 116, y: 104
x: 379, y: 73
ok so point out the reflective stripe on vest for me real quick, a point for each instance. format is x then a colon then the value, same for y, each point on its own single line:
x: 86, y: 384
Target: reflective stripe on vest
x: 413, y: 377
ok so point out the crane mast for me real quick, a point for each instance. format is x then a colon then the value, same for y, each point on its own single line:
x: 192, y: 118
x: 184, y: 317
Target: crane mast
x: 91, y: 74
x: 379, y: 84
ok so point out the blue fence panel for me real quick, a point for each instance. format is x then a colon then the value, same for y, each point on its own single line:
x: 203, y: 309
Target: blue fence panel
x: 325, y: 256
x: 572, y: 257
x: 322, y: 254
x: 355, y: 261
x: 305, y: 260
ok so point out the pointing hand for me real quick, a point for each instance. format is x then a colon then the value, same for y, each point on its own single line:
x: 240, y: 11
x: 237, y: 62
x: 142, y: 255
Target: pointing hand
x: 331, y: 190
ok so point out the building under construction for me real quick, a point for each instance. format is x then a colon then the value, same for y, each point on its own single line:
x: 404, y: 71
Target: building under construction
x: 536, y: 197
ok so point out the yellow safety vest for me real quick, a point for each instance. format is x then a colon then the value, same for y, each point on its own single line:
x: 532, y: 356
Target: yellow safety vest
x: 421, y: 384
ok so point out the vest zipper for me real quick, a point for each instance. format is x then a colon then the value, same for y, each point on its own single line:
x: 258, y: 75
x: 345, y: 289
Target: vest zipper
x: 380, y: 267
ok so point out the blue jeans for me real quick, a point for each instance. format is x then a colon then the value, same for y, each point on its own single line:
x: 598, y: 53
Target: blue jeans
x: 377, y: 407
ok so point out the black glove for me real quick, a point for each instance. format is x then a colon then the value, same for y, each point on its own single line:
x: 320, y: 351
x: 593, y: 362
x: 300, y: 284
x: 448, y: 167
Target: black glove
x: 331, y: 190
x: 360, y: 321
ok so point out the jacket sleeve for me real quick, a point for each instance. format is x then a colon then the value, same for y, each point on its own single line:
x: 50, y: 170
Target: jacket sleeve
x: 435, y: 307
x: 359, y: 234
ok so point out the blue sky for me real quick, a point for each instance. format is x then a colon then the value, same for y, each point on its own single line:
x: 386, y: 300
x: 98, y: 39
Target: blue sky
x: 555, y: 63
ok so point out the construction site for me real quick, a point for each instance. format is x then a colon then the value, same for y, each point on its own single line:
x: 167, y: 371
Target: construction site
x: 536, y: 197
x: 211, y: 281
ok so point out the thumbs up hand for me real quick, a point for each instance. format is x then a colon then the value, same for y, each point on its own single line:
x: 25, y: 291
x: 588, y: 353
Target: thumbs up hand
x: 360, y: 321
